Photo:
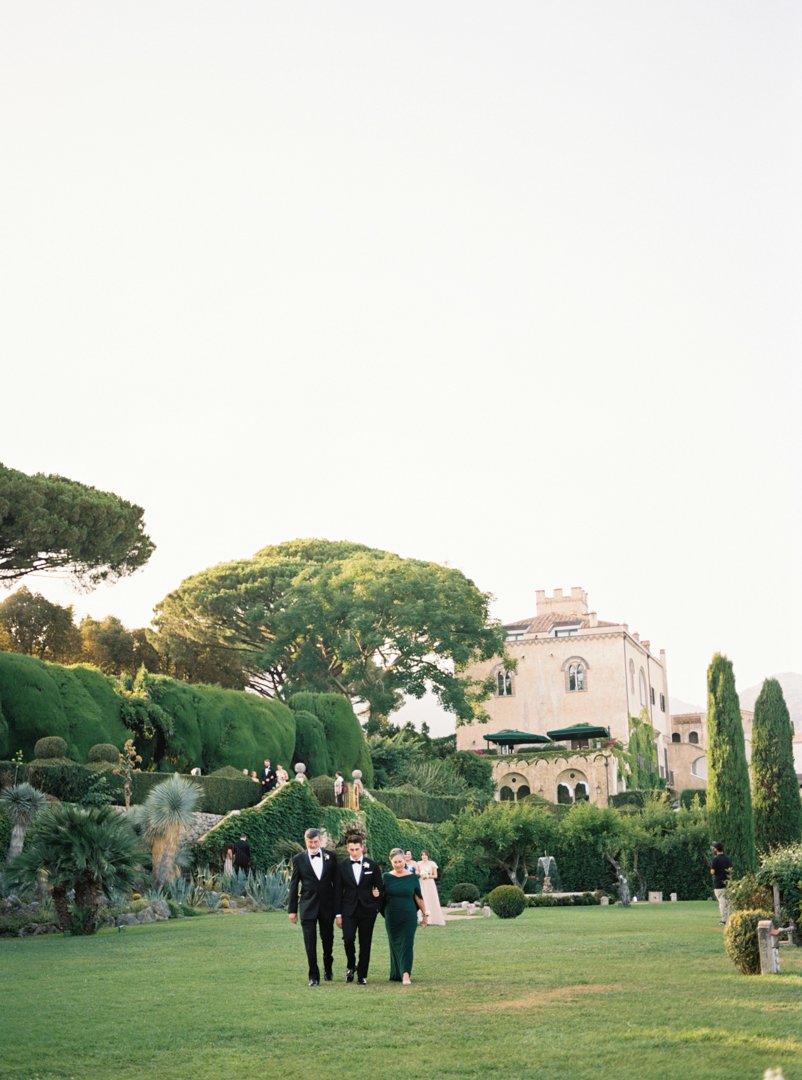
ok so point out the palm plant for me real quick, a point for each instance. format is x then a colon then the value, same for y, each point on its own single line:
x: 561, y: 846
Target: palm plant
x: 89, y: 850
x: 23, y: 802
x: 168, y: 808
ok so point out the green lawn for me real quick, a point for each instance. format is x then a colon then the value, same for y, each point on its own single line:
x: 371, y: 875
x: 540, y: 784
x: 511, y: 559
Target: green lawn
x: 564, y: 993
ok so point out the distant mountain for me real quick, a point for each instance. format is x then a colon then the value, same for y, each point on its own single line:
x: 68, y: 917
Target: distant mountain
x: 792, y: 692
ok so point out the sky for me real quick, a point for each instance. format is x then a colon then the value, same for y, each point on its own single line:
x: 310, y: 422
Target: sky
x: 509, y: 287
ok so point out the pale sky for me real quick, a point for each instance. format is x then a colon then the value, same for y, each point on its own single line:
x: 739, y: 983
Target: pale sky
x: 514, y: 287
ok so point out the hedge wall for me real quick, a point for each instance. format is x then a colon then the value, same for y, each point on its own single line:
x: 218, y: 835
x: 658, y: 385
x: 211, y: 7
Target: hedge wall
x: 69, y: 781
x: 285, y: 815
x: 213, y: 727
x: 417, y: 806
x: 347, y: 747
x: 310, y: 744
x: 386, y: 831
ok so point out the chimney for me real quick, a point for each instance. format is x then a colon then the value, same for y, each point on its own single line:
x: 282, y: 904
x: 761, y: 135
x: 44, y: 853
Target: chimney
x: 593, y: 618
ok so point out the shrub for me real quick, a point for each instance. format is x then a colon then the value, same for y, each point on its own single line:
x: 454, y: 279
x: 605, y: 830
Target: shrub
x: 465, y: 890
x: 347, y: 747
x: 310, y: 744
x: 507, y: 901
x: 410, y: 802
x: 688, y: 794
x: 103, y: 752
x: 783, y: 868
x: 51, y: 746
x: 323, y: 787
x: 740, y: 940
x: 586, y: 899
x: 635, y: 797
x: 745, y: 894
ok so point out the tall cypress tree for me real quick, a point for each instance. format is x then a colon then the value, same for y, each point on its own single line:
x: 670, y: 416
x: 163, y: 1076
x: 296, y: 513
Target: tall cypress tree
x: 775, y: 789
x: 729, y: 800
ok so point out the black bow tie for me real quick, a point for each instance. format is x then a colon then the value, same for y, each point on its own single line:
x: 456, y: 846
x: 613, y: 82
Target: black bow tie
x: 356, y: 862
x: 315, y: 856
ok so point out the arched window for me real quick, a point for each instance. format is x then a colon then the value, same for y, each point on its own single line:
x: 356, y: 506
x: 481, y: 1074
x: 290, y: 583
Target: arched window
x: 503, y: 683
x: 523, y: 791
x: 676, y: 737
x: 576, y: 674
x: 699, y: 768
x: 632, y: 676
x: 581, y: 793
x: 693, y: 736
x: 564, y: 795
x: 506, y: 794
x: 642, y: 681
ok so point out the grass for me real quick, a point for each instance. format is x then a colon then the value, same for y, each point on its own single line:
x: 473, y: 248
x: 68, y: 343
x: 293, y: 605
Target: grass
x: 561, y: 992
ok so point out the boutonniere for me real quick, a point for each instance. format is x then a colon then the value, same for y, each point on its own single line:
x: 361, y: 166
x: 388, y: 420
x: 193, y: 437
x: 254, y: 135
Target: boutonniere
x: 325, y: 858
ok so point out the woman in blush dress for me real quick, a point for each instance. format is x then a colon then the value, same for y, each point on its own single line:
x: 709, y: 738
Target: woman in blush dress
x: 427, y: 872
x: 402, y: 899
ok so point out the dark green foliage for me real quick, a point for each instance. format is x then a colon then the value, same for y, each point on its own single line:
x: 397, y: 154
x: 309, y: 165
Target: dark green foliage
x: 103, y: 752
x: 51, y: 746
x: 507, y: 901
x: 474, y: 770
x: 642, y: 754
x: 385, y: 831
x: 5, y: 830
x: 310, y: 744
x: 418, y: 806
x: 745, y: 893
x: 77, y: 704
x: 740, y: 940
x: 212, y: 727
x: 775, y: 788
x: 628, y: 798
x: 458, y: 869
x: 783, y: 868
x: 288, y: 812
x: 50, y: 522
x: 230, y: 773
x: 586, y: 899
x: 688, y: 795
x: 42, y: 922
x: 464, y: 890
x: 345, y: 739
x: 323, y: 787
x: 33, y: 625
x: 729, y: 800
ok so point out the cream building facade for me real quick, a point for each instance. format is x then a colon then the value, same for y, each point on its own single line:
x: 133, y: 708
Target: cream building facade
x: 573, y: 668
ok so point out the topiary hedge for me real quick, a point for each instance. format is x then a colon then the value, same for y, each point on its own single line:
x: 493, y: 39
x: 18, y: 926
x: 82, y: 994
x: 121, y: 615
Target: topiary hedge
x: 103, y: 752
x: 323, y: 787
x: 310, y: 744
x: 418, y: 806
x: 740, y: 940
x: 51, y: 746
x: 347, y: 746
x: 507, y: 901
x: 465, y: 890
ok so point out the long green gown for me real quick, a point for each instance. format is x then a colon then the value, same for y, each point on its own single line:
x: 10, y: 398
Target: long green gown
x: 401, y: 920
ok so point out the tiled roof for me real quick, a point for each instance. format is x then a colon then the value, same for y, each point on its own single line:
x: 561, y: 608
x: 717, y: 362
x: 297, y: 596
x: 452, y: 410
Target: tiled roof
x: 543, y: 624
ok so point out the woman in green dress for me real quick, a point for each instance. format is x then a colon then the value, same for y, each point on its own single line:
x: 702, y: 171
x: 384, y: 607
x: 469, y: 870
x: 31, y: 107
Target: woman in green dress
x: 402, y: 898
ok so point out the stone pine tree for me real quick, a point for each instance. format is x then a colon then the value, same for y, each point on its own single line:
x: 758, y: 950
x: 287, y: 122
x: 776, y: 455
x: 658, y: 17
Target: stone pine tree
x: 778, y: 807
x: 729, y: 800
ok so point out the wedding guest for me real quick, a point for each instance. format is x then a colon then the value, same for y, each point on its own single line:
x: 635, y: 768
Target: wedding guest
x: 268, y: 778
x: 358, y: 895
x: 427, y: 872
x: 410, y: 863
x: 242, y: 854
x: 282, y: 776
x: 402, y: 900
x: 314, y: 876
x: 339, y: 785
x: 228, y: 859
x: 254, y: 777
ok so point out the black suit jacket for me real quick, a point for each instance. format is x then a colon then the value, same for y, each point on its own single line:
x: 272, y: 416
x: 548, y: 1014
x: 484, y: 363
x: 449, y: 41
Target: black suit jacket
x: 352, y: 899
x: 311, y: 898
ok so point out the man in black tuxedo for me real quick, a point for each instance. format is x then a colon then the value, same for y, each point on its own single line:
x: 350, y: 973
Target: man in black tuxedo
x: 268, y: 778
x: 242, y: 854
x: 314, y: 873
x: 358, y: 897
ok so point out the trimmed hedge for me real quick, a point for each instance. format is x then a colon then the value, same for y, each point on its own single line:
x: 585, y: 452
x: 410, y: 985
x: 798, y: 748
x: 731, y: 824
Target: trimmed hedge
x: 310, y: 744
x: 464, y: 890
x: 386, y: 831
x: 103, y: 752
x: 587, y: 899
x: 213, y: 727
x: 347, y: 746
x: 284, y: 815
x: 51, y: 746
x: 418, y: 806
x: 70, y: 782
x: 507, y: 901
x: 740, y: 939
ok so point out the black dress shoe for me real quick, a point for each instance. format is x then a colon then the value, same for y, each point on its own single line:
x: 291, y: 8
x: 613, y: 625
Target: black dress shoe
x: 349, y: 974
x: 362, y: 982
x: 314, y: 982
x: 328, y: 976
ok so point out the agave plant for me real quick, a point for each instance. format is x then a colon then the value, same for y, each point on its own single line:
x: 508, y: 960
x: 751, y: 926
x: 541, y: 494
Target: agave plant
x: 168, y: 808
x: 269, y: 890
x: 23, y: 802
x: 89, y: 850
